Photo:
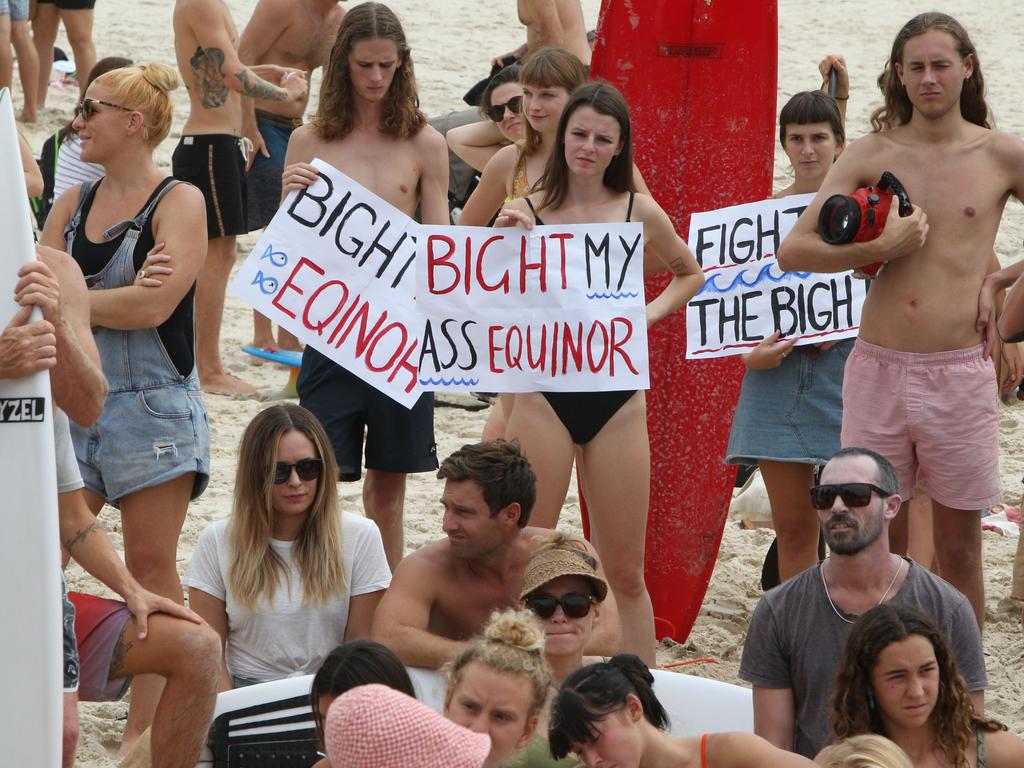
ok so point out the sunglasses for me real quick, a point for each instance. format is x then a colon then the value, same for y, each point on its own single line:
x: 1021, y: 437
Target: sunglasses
x: 87, y: 107
x: 852, y: 494
x: 497, y: 111
x: 306, y: 469
x: 574, y: 605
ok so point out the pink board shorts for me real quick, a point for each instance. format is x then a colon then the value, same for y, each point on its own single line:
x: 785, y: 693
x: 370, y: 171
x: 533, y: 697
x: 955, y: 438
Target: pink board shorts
x: 99, y: 623
x: 934, y: 413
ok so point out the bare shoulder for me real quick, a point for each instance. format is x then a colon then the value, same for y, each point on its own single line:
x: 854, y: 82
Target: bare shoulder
x: 182, y: 199
x: 1006, y: 147
x: 302, y: 143
x: 504, y: 159
x: 1002, y: 748
x: 433, y: 557
x: 429, y: 139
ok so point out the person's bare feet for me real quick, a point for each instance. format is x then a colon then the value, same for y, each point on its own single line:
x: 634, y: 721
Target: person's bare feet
x: 264, y: 342
x: 226, y: 384
x: 27, y: 116
x: 287, y: 341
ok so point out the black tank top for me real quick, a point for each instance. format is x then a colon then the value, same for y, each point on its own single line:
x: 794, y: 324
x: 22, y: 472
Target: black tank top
x: 176, y: 333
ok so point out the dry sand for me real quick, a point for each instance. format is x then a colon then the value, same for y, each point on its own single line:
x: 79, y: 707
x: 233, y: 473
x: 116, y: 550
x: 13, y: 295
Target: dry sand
x: 452, y: 43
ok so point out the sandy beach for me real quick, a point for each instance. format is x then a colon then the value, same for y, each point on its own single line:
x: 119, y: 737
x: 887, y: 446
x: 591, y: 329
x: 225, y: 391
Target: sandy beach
x: 453, y: 42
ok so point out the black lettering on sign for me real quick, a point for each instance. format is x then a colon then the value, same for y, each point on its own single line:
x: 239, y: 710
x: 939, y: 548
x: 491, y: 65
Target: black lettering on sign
x: 22, y: 409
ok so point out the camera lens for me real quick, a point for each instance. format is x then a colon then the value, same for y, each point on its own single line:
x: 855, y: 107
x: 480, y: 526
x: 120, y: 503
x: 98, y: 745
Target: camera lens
x: 839, y: 220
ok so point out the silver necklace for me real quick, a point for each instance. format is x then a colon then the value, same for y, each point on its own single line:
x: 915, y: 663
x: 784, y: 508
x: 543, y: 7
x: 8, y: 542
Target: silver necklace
x: 880, y: 600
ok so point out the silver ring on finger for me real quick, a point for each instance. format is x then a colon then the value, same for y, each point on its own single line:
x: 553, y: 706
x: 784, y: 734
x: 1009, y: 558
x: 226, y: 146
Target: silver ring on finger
x: 141, y: 274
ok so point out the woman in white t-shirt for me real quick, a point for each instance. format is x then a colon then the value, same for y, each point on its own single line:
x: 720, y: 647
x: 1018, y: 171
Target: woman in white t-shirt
x: 287, y: 576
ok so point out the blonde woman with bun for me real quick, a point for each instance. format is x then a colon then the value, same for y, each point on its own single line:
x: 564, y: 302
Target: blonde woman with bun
x: 500, y: 682
x: 865, y: 751
x: 149, y: 452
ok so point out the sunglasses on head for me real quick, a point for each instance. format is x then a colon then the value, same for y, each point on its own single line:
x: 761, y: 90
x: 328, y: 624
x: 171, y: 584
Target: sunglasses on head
x: 574, y: 605
x: 87, y: 107
x: 852, y: 494
x: 497, y: 111
x: 306, y: 469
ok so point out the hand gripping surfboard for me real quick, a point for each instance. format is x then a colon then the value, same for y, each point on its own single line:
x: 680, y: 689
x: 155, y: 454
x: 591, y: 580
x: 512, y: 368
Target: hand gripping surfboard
x: 700, y: 79
x: 30, y: 646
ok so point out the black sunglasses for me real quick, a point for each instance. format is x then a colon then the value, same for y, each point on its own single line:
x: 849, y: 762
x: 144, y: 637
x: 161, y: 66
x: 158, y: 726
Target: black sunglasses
x: 852, y: 494
x: 87, y: 107
x: 574, y: 605
x: 307, y: 469
x: 497, y: 111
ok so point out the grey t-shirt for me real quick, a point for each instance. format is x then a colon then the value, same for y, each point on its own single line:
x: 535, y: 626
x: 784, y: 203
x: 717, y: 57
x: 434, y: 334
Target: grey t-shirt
x: 795, y: 640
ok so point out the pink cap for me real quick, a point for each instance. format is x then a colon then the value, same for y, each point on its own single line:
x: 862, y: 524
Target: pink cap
x: 374, y: 726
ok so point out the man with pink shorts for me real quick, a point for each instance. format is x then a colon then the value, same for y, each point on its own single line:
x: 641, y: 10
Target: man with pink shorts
x: 920, y: 385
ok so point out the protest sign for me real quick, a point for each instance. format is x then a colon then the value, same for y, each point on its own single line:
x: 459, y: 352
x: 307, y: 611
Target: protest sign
x: 336, y: 267
x: 555, y: 308
x: 746, y: 297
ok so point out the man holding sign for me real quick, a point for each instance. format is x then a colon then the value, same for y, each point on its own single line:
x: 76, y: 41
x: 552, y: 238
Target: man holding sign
x: 369, y: 126
x: 920, y: 387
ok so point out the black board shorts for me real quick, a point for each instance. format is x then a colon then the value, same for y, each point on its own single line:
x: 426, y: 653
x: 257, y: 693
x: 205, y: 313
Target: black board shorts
x: 398, y: 439
x: 214, y: 163
x: 70, y: 5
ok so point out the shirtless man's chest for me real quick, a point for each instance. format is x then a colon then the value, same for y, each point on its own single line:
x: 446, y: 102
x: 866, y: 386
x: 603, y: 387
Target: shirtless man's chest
x: 466, y: 599
x: 387, y: 167
x: 305, y: 43
x: 927, y: 301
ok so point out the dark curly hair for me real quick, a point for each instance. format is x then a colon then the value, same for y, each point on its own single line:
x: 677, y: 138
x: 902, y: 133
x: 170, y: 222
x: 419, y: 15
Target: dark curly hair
x: 335, y: 115
x: 954, y: 719
x: 897, y: 109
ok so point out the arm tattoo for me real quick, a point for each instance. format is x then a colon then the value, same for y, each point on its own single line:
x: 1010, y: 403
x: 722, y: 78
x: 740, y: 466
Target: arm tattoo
x: 257, y: 88
x: 70, y: 543
x: 208, y: 74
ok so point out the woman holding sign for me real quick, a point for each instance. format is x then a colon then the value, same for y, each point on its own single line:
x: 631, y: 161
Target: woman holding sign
x: 791, y: 404
x: 589, y: 179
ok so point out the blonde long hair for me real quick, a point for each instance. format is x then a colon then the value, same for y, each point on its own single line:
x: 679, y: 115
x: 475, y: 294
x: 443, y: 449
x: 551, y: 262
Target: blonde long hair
x: 256, y: 570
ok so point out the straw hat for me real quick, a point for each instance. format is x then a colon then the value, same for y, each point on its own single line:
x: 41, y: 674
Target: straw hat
x: 561, y: 556
x: 374, y: 726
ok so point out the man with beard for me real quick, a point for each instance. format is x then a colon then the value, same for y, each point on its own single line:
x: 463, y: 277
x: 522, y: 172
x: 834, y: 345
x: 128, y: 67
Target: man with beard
x: 798, y: 629
x: 444, y: 592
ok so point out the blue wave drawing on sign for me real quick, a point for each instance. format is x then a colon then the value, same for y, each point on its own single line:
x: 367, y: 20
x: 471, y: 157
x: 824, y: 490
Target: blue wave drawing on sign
x: 449, y: 382
x: 712, y: 286
x: 623, y: 295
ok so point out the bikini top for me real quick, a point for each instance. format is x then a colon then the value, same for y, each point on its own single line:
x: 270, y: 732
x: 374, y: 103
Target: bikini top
x: 703, y: 747
x: 537, y: 219
x: 520, y: 184
x: 981, y: 748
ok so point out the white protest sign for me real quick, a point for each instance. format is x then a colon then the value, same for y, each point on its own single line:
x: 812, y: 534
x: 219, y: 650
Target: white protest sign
x: 746, y: 297
x: 336, y: 267
x: 558, y: 308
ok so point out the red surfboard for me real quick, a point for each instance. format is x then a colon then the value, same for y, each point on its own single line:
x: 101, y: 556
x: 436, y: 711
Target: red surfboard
x: 700, y: 79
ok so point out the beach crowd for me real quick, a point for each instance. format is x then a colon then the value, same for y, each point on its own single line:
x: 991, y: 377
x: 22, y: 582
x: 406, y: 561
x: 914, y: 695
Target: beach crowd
x: 871, y: 656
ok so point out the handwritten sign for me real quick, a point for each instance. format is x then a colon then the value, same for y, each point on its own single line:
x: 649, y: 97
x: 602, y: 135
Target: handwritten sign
x: 556, y: 308
x: 746, y: 297
x: 336, y: 267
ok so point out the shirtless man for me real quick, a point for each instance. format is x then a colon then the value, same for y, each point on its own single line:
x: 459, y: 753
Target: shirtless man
x: 920, y: 335
x: 147, y: 633
x: 368, y: 125
x: 550, y: 23
x: 295, y: 34
x: 444, y: 592
x: 210, y: 156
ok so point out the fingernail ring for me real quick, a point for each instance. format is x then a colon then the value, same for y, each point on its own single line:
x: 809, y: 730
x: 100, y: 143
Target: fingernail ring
x: 141, y: 274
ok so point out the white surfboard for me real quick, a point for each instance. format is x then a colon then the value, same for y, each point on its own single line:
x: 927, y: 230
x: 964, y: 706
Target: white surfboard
x: 274, y: 721
x: 30, y: 645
